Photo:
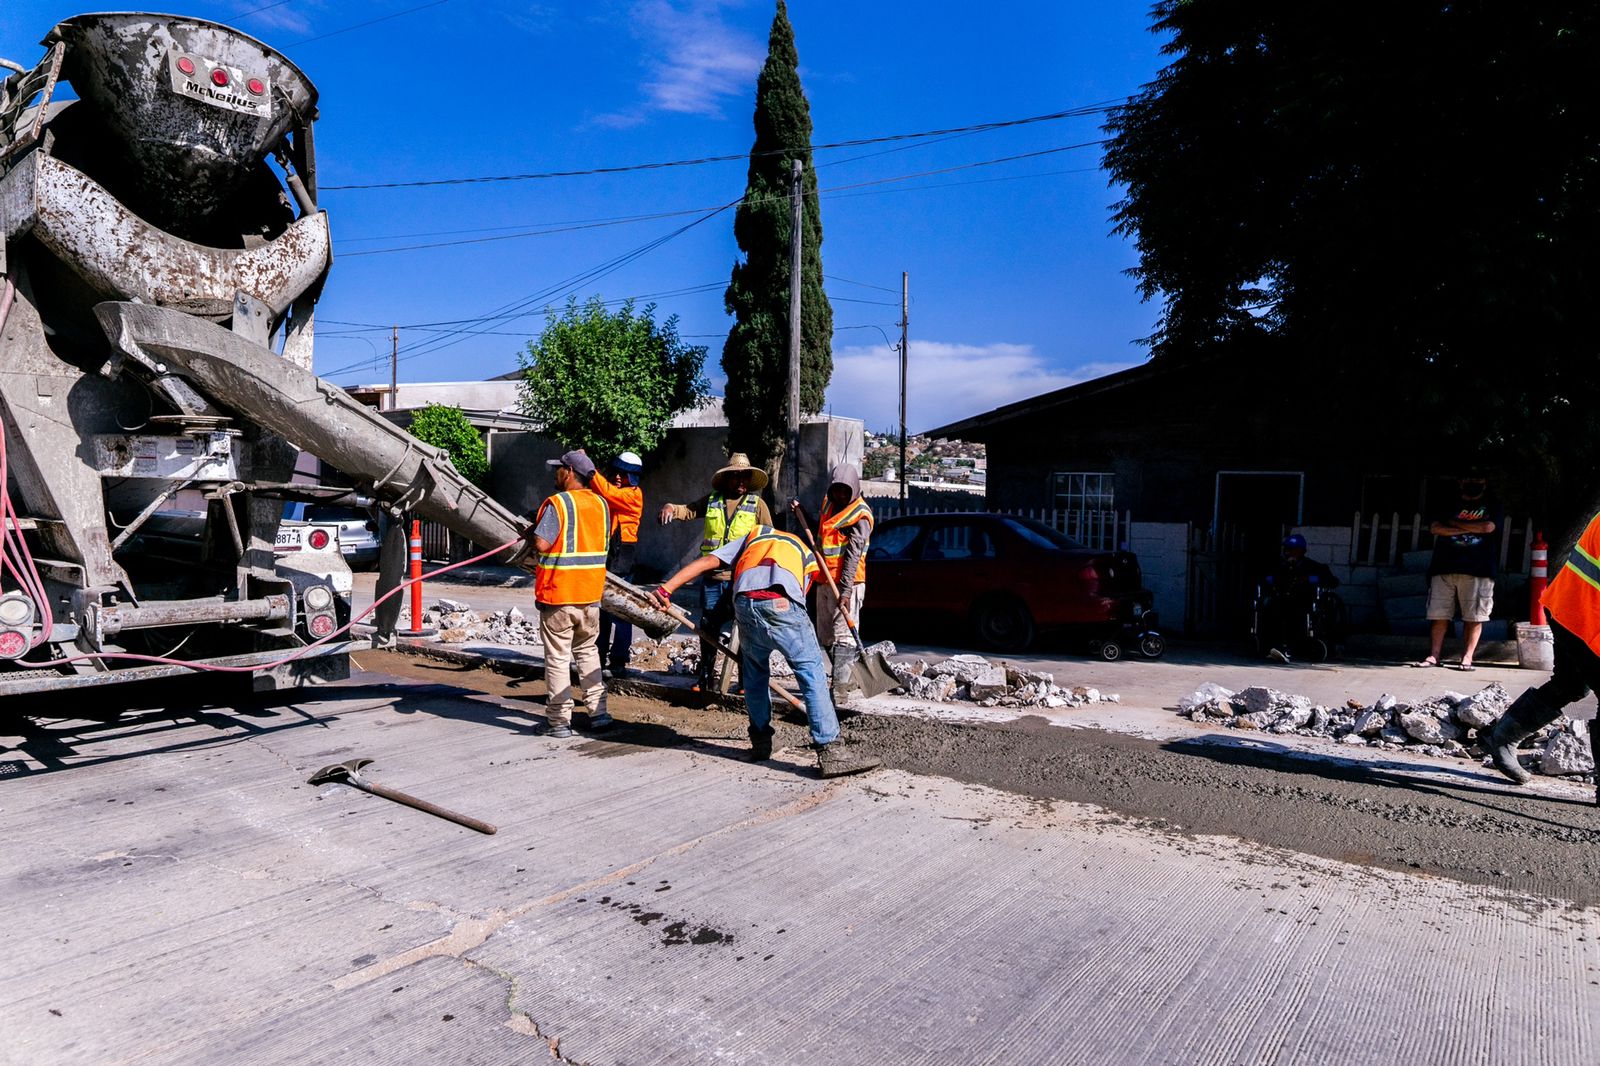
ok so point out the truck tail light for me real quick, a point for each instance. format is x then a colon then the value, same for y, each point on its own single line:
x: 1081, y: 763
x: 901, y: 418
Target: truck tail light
x: 13, y: 642
x: 318, y: 539
x: 255, y: 86
x: 320, y: 625
x: 219, y: 77
x: 186, y: 64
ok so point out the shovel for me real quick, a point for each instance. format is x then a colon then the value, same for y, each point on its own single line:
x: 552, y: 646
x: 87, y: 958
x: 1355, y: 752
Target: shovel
x: 872, y: 674
x: 639, y: 596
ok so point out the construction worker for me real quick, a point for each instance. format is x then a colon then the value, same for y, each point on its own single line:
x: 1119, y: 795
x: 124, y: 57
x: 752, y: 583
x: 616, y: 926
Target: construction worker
x: 771, y: 573
x: 1573, y: 603
x: 570, y: 535
x: 619, y: 487
x: 844, y: 532
x: 732, y: 509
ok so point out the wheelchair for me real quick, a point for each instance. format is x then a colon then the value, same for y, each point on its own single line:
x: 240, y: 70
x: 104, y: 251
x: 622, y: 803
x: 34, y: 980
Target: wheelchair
x: 1309, y: 622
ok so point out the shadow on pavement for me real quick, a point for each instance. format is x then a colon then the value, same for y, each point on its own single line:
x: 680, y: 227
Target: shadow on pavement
x: 1403, y: 777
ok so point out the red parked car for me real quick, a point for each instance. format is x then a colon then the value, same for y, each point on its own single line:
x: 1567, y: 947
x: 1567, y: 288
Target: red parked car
x: 1005, y: 579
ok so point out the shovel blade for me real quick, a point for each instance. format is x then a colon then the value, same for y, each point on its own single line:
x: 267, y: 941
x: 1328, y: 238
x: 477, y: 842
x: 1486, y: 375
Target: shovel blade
x: 873, y: 675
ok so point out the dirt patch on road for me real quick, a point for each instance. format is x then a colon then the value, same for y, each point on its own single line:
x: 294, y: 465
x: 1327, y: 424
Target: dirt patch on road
x: 1454, y: 823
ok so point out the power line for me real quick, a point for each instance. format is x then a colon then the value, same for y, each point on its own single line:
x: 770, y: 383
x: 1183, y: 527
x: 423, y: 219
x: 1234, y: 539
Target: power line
x: 623, y: 220
x: 361, y: 25
x: 258, y: 10
x: 863, y: 284
x: 980, y: 127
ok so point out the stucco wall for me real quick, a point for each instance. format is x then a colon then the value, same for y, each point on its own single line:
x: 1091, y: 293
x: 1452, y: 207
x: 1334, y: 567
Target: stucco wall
x: 679, y: 472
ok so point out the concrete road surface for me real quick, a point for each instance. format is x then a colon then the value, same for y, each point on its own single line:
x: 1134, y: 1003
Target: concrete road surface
x: 175, y: 892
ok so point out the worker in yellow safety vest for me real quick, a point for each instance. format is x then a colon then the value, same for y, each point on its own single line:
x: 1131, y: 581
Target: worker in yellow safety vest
x: 771, y: 573
x: 1573, y: 603
x: 844, y: 533
x: 732, y: 509
x: 570, y: 536
x: 619, y: 487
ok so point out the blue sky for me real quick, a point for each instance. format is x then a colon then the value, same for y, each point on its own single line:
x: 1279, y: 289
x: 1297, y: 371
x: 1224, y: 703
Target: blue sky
x: 1017, y: 284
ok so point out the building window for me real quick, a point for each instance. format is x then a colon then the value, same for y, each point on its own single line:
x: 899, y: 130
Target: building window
x: 1083, y: 492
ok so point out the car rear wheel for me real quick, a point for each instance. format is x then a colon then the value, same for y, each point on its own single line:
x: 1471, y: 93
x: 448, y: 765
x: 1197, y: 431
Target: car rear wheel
x: 1003, y: 624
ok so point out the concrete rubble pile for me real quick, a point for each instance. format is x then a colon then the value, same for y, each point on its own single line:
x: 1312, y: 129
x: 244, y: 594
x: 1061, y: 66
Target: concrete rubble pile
x: 974, y: 679
x: 1443, y: 725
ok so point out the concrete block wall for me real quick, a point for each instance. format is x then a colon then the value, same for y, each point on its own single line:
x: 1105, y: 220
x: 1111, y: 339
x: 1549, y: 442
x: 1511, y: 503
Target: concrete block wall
x: 1358, y: 585
x: 1163, y: 551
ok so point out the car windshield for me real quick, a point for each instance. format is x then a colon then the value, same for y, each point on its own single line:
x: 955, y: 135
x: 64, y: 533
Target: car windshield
x: 322, y: 512
x: 1040, y: 535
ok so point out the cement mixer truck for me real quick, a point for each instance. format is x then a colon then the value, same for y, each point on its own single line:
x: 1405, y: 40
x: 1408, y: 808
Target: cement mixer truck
x: 161, y: 255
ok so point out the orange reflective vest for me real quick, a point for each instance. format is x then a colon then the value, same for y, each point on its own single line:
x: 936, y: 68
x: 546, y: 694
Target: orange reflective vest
x: 769, y: 547
x: 627, y: 506
x: 1573, y: 598
x: 573, y: 571
x: 836, y: 533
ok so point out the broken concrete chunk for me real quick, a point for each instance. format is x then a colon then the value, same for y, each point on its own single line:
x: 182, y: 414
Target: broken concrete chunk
x: 1565, y: 754
x: 1425, y: 728
x: 1385, y: 703
x: 988, y: 683
x: 1370, y: 723
x: 1257, y: 699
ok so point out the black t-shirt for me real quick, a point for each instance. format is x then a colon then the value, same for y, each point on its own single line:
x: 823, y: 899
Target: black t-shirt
x: 1475, y: 554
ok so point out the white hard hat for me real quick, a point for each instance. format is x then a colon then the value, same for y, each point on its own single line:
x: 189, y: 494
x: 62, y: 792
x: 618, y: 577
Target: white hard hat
x: 629, y: 462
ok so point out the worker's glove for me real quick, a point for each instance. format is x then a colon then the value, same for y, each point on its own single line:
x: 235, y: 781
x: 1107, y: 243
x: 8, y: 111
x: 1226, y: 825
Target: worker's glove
x: 579, y: 463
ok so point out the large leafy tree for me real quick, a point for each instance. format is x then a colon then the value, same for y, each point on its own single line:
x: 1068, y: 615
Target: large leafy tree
x: 755, y: 356
x: 447, y: 427
x: 1402, y: 200
x: 609, y: 381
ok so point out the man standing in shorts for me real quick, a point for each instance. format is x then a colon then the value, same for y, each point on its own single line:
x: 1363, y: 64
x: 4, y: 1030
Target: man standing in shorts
x: 1461, y: 576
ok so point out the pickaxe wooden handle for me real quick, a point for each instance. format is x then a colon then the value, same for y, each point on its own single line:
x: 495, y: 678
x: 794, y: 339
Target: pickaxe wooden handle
x: 349, y: 773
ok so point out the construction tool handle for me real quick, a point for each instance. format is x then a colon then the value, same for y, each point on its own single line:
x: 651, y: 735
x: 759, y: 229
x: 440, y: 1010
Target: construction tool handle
x: 827, y: 575
x: 422, y: 805
x: 672, y: 610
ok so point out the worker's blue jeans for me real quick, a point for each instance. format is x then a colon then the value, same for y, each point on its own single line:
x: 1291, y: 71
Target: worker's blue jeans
x: 766, y: 626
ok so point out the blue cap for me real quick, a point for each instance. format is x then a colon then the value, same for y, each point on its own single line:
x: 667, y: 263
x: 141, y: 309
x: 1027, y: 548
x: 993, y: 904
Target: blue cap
x: 1294, y: 540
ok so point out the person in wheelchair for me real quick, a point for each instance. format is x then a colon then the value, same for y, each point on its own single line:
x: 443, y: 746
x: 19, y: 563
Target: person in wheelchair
x: 1296, y: 610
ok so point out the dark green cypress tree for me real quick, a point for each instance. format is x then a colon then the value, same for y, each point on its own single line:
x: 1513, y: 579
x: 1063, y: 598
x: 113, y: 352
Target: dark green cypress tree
x: 755, y: 356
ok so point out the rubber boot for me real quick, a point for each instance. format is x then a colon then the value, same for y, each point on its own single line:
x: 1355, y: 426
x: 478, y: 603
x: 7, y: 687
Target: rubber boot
x: 843, y: 684
x: 1529, y: 714
x: 1594, y: 750
x: 760, y: 744
x: 838, y: 759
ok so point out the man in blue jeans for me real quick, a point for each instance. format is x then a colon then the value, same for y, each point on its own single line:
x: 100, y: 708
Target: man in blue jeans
x: 771, y: 574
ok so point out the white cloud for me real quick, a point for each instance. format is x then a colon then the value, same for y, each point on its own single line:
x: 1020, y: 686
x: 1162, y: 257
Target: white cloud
x: 944, y: 382
x: 696, y: 61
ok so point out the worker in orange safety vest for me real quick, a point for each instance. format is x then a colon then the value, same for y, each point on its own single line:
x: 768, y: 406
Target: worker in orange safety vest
x: 772, y: 572
x: 570, y: 535
x: 844, y: 533
x: 1573, y: 603
x: 619, y: 487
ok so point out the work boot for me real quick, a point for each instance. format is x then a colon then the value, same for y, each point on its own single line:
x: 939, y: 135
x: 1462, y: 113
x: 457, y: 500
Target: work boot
x: 599, y: 723
x: 838, y: 759
x: 1522, y: 719
x: 843, y: 684
x: 1594, y: 750
x: 760, y: 744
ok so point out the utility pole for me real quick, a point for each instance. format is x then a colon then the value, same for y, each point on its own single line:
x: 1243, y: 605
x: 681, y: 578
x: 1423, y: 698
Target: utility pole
x: 905, y: 322
x: 394, y: 368
x: 795, y: 238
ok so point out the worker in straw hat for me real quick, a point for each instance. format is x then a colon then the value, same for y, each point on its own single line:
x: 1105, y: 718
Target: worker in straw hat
x: 619, y: 487
x: 731, y: 510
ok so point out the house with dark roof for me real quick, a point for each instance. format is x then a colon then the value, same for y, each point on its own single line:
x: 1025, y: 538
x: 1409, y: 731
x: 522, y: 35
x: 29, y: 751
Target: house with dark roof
x: 1211, y: 461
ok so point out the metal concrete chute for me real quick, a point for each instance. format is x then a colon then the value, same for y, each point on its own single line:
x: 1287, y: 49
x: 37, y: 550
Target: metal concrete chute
x: 319, y: 417
x: 191, y: 107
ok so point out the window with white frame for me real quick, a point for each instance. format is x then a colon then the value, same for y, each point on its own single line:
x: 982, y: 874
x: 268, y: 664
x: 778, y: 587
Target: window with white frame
x: 1071, y: 491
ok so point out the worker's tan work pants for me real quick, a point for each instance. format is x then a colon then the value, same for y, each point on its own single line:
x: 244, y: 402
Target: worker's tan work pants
x: 569, y: 634
x: 831, y: 629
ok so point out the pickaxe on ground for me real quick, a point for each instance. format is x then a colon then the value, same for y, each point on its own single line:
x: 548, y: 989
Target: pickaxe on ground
x: 349, y: 773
